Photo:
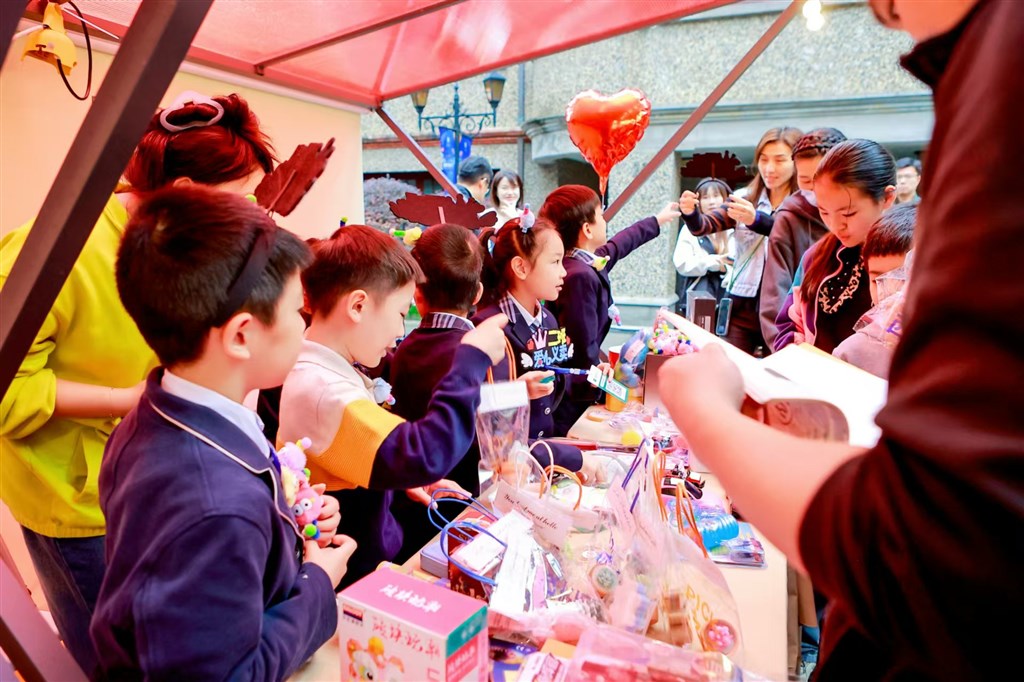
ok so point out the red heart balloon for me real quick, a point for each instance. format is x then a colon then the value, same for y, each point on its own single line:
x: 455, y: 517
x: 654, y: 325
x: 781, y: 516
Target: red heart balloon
x: 606, y: 128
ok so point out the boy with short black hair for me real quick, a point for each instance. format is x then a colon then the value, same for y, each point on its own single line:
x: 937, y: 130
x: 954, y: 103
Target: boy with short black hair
x: 884, y: 254
x: 475, y: 174
x: 359, y: 287
x: 207, y: 574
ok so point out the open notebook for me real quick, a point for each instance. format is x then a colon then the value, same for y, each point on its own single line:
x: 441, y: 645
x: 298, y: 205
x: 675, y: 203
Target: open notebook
x: 803, y: 390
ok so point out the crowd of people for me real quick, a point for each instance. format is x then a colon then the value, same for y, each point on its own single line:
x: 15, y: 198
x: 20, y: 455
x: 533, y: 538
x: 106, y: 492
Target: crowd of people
x: 152, y: 503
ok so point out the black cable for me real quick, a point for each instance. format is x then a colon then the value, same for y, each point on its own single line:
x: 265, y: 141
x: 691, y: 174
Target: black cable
x: 88, y: 49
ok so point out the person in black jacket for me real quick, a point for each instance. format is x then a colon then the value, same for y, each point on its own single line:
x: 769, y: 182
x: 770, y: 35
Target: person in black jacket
x: 916, y: 541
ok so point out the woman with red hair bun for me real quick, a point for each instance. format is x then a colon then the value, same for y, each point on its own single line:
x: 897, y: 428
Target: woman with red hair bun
x: 86, y: 368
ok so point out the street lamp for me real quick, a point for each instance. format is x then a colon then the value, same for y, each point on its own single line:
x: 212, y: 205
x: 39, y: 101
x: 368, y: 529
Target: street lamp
x: 461, y: 121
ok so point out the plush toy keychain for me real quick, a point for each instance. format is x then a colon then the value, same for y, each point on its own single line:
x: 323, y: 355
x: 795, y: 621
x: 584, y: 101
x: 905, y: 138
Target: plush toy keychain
x: 304, y: 502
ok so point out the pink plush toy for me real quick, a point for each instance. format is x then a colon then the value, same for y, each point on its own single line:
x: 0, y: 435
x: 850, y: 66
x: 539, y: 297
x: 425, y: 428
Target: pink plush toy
x: 305, y: 502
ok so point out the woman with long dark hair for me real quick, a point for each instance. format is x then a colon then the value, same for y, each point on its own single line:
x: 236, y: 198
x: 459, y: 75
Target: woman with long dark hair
x: 751, y: 217
x: 854, y: 184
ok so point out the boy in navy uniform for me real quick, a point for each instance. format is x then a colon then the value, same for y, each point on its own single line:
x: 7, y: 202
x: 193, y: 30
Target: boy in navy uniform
x: 207, y: 576
x: 585, y: 307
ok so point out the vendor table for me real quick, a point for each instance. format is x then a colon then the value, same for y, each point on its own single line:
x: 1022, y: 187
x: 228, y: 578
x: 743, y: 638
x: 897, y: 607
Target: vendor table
x: 760, y: 594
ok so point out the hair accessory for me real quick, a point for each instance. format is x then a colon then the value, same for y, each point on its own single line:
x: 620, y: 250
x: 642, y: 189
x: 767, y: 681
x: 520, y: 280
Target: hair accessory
x: 819, y: 141
x: 527, y: 220
x: 255, y: 263
x: 184, y: 99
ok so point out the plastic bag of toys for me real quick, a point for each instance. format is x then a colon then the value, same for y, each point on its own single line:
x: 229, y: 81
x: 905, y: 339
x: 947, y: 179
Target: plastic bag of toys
x: 607, y: 653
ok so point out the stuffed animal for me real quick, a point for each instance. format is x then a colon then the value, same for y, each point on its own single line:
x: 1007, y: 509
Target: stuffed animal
x: 304, y: 502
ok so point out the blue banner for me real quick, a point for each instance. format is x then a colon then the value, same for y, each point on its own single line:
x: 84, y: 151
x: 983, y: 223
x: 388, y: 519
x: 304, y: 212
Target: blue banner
x: 449, y: 161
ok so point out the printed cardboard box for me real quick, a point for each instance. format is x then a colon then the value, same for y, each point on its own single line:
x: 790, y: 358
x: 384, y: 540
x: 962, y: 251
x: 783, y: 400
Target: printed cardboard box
x: 394, y: 627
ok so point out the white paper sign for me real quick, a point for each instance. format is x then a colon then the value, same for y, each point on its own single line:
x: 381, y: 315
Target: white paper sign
x: 550, y: 523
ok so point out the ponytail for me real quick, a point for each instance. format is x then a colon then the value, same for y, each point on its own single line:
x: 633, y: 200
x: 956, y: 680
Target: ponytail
x: 863, y: 165
x: 499, y: 247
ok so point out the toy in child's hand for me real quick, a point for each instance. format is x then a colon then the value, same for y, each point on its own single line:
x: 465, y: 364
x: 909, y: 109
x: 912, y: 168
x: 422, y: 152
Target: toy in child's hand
x: 304, y: 502
x: 409, y: 237
x: 382, y: 393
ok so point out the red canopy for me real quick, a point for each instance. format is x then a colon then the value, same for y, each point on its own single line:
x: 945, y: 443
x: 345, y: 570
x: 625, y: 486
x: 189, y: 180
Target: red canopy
x: 367, y: 51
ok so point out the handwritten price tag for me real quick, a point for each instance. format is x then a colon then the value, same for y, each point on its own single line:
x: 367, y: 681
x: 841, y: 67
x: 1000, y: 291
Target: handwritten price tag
x: 551, y: 523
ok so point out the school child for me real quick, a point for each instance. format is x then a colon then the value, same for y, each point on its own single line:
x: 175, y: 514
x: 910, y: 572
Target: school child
x: 752, y: 216
x: 585, y: 307
x: 854, y: 184
x: 87, y: 365
x: 886, y: 258
x: 207, y: 573
x: 358, y: 290
x: 797, y: 225
x: 451, y: 261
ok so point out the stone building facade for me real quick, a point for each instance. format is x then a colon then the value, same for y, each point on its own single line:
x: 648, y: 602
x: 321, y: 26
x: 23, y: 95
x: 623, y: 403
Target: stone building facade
x: 846, y: 75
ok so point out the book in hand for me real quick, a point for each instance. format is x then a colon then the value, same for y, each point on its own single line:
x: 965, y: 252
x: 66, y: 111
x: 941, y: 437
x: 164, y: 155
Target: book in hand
x: 802, y: 390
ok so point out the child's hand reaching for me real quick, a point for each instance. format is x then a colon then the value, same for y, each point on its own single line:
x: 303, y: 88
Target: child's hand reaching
x: 592, y: 472
x: 422, y: 494
x: 333, y: 558
x: 669, y: 213
x: 606, y: 369
x: 330, y: 516
x: 536, y: 387
x: 489, y: 337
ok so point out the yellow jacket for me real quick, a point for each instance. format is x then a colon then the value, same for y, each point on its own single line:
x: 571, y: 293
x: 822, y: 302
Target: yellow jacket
x: 49, y: 466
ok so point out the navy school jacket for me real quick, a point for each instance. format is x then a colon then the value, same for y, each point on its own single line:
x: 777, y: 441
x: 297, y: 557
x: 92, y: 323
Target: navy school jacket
x: 421, y: 361
x: 204, y: 578
x: 582, y: 309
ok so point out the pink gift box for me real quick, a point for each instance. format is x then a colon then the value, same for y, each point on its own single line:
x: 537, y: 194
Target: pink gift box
x: 394, y: 627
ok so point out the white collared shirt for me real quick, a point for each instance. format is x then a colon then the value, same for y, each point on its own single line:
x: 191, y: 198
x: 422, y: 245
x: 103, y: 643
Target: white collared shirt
x: 531, y: 319
x: 241, y: 416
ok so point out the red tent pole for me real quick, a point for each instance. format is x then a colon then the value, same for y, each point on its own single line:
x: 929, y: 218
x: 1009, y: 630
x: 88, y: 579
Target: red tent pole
x: 417, y: 151
x: 701, y: 111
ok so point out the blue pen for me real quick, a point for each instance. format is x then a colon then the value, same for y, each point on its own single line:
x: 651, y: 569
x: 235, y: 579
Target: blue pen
x: 567, y: 370
x: 560, y: 370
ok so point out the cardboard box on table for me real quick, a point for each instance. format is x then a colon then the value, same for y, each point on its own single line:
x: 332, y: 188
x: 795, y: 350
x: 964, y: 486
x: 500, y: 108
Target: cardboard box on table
x: 394, y: 627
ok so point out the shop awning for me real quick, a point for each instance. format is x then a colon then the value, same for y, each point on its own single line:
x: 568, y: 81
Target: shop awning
x: 367, y: 51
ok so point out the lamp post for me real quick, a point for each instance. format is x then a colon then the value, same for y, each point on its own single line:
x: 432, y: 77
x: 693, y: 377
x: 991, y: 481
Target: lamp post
x: 461, y: 121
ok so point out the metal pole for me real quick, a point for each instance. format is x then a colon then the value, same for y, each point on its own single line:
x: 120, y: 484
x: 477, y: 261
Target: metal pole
x: 701, y: 111
x: 417, y: 151
x: 457, y: 124
x: 148, y: 58
x: 10, y: 14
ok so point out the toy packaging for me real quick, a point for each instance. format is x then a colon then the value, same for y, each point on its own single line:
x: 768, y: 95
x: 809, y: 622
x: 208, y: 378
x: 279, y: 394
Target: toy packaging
x: 394, y: 627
